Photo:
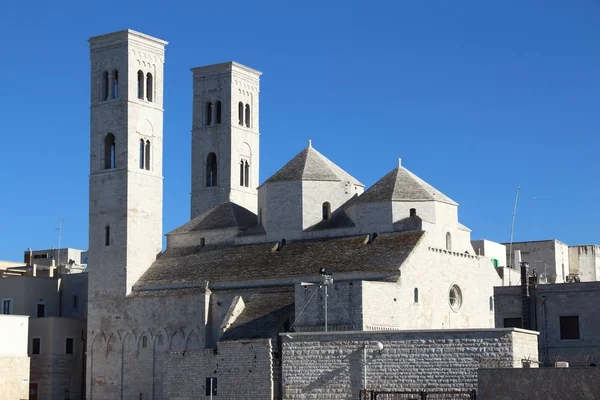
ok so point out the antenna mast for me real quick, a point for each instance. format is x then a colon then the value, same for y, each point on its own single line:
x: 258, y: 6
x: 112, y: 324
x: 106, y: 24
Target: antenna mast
x: 59, y: 238
x: 512, y: 227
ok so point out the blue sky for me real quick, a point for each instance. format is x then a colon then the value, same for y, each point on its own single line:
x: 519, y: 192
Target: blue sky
x: 477, y: 97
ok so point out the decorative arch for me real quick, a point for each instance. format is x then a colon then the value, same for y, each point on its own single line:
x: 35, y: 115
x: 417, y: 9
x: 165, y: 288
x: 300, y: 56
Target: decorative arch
x: 326, y: 210
x: 112, y: 343
x: 247, y: 119
x: 110, y: 151
x: 140, y: 84
x: 193, y: 340
x: 241, y: 113
x: 149, y: 87
x: 177, y: 342
x: 211, y: 170
x: 144, y: 341
x: 448, y: 241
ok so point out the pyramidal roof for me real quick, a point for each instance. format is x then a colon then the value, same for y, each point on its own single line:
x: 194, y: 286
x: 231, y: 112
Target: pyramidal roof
x: 310, y: 165
x: 226, y: 215
x: 402, y: 185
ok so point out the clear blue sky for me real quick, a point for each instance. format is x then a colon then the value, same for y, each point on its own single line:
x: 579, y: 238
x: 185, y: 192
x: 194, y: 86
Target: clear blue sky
x: 475, y: 96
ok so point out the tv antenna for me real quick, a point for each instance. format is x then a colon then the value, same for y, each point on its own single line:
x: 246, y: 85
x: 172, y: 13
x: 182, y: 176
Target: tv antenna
x: 512, y: 227
x: 59, y: 229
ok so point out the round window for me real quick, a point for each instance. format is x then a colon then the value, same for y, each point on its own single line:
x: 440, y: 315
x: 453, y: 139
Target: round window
x: 455, y: 297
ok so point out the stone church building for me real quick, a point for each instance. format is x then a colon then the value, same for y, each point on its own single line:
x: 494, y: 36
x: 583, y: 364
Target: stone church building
x: 210, y: 308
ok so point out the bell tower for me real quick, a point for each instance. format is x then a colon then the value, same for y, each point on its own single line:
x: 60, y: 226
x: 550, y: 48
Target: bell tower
x: 126, y: 146
x: 225, y: 137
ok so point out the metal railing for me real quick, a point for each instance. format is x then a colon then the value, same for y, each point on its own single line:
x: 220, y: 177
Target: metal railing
x: 418, y: 395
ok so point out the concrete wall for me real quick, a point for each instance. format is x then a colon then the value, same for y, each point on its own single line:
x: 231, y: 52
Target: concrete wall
x: 27, y: 291
x: 74, y: 286
x: 585, y: 262
x: 331, y: 365
x: 550, y: 258
x: 539, y: 383
x: 491, y: 250
x: 14, y: 362
x: 244, y: 370
x: 13, y: 335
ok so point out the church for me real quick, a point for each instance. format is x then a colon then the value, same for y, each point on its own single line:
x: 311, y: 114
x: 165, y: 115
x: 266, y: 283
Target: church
x: 306, y: 250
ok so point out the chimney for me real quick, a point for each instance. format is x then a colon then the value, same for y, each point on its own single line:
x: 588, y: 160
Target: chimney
x: 52, y: 268
x: 413, y: 212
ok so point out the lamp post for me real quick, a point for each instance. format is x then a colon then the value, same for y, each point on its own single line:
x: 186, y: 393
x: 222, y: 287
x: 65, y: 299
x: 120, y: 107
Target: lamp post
x: 379, y: 348
x: 327, y: 280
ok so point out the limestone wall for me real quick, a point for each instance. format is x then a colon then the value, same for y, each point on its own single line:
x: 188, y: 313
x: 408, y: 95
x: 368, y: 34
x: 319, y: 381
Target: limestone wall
x: 315, y: 365
x: 244, y: 370
x: 14, y: 377
x: 539, y: 383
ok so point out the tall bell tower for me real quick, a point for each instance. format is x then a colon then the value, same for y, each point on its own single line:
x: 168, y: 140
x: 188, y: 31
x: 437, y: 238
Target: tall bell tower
x: 126, y: 147
x: 225, y: 137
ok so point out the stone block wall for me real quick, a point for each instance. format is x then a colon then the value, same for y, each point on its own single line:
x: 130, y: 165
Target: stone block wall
x: 244, y: 370
x: 14, y: 377
x: 539, y: 383
x: 331, y: 366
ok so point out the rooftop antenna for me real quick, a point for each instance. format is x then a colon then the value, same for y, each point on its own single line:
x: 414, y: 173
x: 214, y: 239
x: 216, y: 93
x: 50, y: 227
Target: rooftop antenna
x: 512, y: 226
x: 59, y: 229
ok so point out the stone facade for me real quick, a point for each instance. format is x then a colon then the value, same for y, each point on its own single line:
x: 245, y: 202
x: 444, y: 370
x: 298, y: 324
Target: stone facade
x: 550, y: 258
x: 584, y: 262
x: 332, y: 366
x: 539, y: 384
x: 14, y: 361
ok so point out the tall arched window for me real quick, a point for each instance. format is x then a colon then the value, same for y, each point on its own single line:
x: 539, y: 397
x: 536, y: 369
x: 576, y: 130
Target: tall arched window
x: 326, y: 210
x: 105, y: 82
x: 246, y: 174
x: 208, y: 114
x: 149, y: 87
x: 109, y: 151
x: 416, y: 295
x: 147, y: 158
x: 211, y: 170
x: 107, y: 235
x: 448, y: 241
x: 218, y: 118
x: 241, y: 113
x: 142, y: 153
x: 115, y: 84
x: 140, y: 86
x: 241, y: 172
x: 248, y: 115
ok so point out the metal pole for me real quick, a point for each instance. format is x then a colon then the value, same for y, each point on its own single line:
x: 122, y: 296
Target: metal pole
x: 325, y: 307
x: 512, y: 227
x: 365, y: 367
x: 211, y: 389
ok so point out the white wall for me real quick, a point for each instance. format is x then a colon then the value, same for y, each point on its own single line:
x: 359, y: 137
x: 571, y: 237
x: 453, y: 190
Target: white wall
x: 13, y: 335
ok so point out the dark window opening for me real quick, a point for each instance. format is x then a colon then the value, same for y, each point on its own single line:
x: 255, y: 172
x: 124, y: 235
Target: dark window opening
x: 248, y: 115
x: 218, y: 118
x: 448, y: 241
x: 246, y: 174
x: 105, y: 82
x: 109, y: 151
x: 149, y: 87
x: 416, y: 295
x: 491, y: 304
x: 569, y: 327
x: 37, y: 256
x: 144, y: 341
x: 142, y: 153
x: 211, y: 170
x: 513, y: 322
x: 202, y: 242
x: 41, y: 310
x: 107, y: 236
x: 241, y: 113
x: 208, y: 114
x: 36, y: 345
x: 69, y: 346
x: 147, y: 155
x: 75, y: 302
x: 140, y: 85
x: 6, y: 306
x: 115, y: 84
x: 326, y: 210
x: 413, y: 212
x: 211, y: 386
x: 241, y: 172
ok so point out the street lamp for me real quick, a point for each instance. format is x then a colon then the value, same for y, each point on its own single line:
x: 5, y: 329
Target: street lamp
x: 379, y: 347
x: 327, y: 280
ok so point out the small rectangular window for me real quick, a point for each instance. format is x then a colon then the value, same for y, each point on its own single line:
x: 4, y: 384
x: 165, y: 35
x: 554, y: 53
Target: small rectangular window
x: 211, y: 386
x: 36, y: 345
x: 6, y: 306
x: 69, y: 346
x: 75, y: 302
x: 41, y: 310
x: 569, y: 327
x: 513, y: 323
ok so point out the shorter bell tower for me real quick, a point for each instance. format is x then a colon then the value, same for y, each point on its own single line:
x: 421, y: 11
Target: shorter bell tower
x: 225, y: 137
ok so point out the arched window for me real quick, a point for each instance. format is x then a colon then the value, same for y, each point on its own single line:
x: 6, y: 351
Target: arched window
x: 142, y: 153
x: 326, y: 210
x: 211, y: 170
x: 208, y: 114
x: 248, y: 115
x: 105, y: 81
x: 246, y: 174
x: 109, y: 151
x: 241, y: 172
x: 491, y: 304
x: 140, y: 86
x: 416, y: 295
x: 115, y: 84
x: 448, y: 241
x: 147, y: 159
x: 218, y: 118
x: 107, y: 236
x: 241, y: 113
x: 149, y: 87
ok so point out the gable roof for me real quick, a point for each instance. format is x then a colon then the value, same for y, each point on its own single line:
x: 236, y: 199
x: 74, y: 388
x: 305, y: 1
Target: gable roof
x: 310, y: 165
x: 240, y: 264
x: 402, y: 185
x: 226, y: 215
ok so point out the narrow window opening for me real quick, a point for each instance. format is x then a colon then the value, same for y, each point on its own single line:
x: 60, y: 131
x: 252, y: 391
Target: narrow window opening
x: 241, y: 172
x: 109, y: 151
x: 36, y: 345
x: 241, y: 113
x: 147, y: 159
x: 107, y: 236
x: 491, y: 304
x: 115, y: 84
x: 202, y: 242
x: 218, y: 119
x: 248, y: 115
x: 69, y: 346
x: 569, y: 327
x: 211, y: 386
x: 144, y: 341
x: 75, y: 302
x: 211, y: 170
x: 142, y: 153
x: 105, y: 81
x: 416, y: 295
x: 6, y: 306
x: 208, y: 114
x: 149, y: 87
x: 246, y: 174
x: 448, y: 241
x: 326, y: 210
x: 41, y: 310
x: 140, y: 85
